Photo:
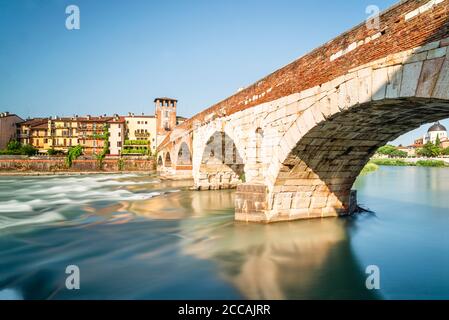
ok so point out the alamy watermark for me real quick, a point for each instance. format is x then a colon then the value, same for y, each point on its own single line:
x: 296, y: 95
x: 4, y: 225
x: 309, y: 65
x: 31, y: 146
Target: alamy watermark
x: 373, y: 20
x: 72, y: 282
x: 73, y: 20
x: 373, y: 280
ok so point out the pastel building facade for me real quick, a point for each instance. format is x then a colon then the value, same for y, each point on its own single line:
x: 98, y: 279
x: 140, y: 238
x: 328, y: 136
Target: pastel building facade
x: 8, y: 128
x: 116, y: 134
x: 128, y: 135
x: 140, y: 134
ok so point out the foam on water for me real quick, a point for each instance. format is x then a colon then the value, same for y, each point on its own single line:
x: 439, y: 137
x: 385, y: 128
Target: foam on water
x: 14, y: 206
x: 23, y: 201
x: 51, y: 216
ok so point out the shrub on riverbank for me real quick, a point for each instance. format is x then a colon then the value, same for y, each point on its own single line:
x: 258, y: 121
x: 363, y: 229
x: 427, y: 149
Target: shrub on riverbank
x: 431, y: 163
x: 419, y: 163
x: 369, y: 167
x: 391, y: 162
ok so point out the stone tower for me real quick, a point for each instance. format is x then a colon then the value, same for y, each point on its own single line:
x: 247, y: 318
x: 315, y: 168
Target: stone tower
x: 165, y: 117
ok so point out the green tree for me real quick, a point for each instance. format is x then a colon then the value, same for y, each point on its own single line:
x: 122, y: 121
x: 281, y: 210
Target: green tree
x: 445, y: 151
x: 429, y: 150
x: 386, y: 150
x: 438, y: 142
x: 105, y: 150
x: 73, y: 154
x: 392, y: 151
x: 13, y: 145
x: 399, y: 154
x: 28, y: 150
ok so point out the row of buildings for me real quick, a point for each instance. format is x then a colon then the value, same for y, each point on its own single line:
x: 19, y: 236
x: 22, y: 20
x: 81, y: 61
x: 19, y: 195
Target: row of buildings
x: 131, y: 134
x: 436, y: 132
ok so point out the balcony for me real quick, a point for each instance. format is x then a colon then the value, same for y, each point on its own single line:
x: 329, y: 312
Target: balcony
x: 142, y: 143
x: 142, y: 135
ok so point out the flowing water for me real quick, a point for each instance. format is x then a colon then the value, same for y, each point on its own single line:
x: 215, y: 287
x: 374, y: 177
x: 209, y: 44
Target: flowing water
x: 135, y: 237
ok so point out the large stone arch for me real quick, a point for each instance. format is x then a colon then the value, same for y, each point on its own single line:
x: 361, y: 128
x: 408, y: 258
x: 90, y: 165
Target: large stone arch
x: 219, y: 163
x: 339, y: 126
x: 183, y: 153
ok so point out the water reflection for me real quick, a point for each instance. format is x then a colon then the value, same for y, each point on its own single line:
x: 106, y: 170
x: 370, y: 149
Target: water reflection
x: 277, y: 261
x: 139, y: 237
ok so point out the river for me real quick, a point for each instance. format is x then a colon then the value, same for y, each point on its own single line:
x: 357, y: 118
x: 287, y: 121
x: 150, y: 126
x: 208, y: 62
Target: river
x: 135, y: 237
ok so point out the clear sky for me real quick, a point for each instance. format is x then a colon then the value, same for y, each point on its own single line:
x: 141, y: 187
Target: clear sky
x: 129, y: 52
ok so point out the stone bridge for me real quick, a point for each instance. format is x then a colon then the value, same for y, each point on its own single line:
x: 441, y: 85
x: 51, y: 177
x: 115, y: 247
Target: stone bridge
x: 294, y: 142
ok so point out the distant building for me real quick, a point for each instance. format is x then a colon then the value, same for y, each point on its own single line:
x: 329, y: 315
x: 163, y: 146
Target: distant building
x: 30, y: 132
x: 139, y: 129
x: 8, y: 128
x: 419, y: 143
x: 62, y: 133
x: 410, y: 150
x: 166, y: 119
x: 132, y: 134
x: 117, y: 132
x: 91, y: 133
x: 436, y: 131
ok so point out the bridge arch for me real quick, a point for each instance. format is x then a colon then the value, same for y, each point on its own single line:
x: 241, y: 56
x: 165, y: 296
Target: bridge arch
x: 220, y: 164
x: 319, y: 158
x: 183, y: 155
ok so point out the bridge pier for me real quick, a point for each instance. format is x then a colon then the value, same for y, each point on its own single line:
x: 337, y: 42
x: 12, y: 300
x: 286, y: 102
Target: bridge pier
x: 253, y: 204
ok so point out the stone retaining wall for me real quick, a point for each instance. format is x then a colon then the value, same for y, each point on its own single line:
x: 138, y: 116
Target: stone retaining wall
x: 51, y: 165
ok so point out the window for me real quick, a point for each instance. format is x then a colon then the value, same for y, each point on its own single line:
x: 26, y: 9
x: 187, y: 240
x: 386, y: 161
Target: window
x: 119, y: 144
x: 119, y: 134
x: 146, y: 122
x: 138, y: 122
x: 166, y: 114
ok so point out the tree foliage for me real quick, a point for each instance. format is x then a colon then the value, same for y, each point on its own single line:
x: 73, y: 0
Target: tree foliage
x: 429, y: 150
x: 73, y: 154
x: 392, y: 152
x: 14, y: 147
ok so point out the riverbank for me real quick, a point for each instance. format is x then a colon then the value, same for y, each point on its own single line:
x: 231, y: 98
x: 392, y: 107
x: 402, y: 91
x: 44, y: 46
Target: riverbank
x: 409, y: 162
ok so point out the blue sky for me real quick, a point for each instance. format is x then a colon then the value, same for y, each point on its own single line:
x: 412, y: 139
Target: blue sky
x: 128, y: 52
